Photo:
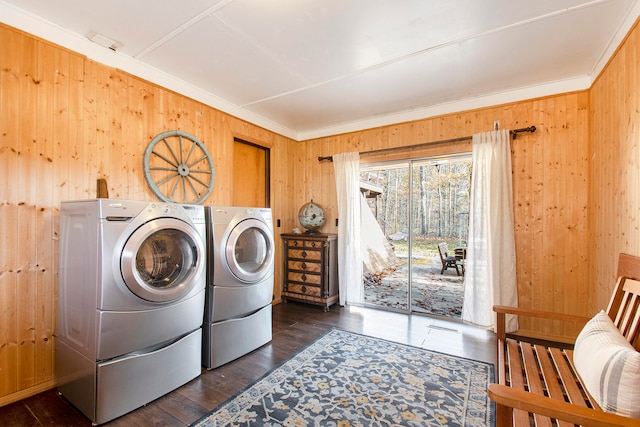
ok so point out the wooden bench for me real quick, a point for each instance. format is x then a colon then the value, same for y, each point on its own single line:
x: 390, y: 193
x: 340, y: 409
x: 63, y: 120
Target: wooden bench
x: 448, y: 261
x: 538, y: 384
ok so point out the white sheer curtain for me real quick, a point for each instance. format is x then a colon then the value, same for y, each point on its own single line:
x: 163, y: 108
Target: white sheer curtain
x: 346, y: 167
x: 490, y: 271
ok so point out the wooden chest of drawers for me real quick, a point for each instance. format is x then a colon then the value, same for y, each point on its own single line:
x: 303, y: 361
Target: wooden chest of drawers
x: 311, y: 268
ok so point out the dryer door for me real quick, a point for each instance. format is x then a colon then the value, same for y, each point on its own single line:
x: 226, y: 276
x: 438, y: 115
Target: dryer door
x: 249, y: 251
x: 161, y: 259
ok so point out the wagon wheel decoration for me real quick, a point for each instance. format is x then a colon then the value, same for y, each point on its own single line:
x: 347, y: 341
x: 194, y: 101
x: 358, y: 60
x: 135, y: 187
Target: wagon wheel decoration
x: 178, y: 168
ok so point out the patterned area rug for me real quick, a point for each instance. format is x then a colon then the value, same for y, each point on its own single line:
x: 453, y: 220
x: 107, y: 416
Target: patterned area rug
x: 345, y: 379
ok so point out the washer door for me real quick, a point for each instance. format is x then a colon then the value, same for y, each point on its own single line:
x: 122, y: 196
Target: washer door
x: 161, y: 259
x: 249, y: 251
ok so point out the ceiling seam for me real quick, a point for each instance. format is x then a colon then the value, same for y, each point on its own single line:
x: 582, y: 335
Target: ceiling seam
x: 183, y: 27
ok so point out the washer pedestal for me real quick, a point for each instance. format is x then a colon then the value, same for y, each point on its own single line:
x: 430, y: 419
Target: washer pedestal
x: 106, y: 390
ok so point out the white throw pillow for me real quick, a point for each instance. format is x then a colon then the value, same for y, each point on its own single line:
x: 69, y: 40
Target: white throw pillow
x: 608, y: 366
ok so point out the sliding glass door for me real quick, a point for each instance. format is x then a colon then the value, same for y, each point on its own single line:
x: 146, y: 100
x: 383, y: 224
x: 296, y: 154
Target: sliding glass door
x: 421, y: 207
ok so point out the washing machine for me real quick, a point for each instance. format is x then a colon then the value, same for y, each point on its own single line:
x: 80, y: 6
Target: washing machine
x: 131, y: 299
x: 240, y: 250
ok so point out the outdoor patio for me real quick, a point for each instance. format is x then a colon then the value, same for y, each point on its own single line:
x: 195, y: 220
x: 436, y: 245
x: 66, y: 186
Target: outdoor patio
x: 432, y: 293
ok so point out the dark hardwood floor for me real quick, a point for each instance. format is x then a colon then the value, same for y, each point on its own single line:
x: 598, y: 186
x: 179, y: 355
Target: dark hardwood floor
x: 294, y: 326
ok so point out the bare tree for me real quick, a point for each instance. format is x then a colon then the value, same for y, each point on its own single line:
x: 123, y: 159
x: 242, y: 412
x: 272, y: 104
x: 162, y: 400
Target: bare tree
x: 423, y: 202
x: 443, y: 193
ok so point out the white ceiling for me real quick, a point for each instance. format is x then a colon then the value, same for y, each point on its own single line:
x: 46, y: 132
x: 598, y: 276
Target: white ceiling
x: 308, y: 68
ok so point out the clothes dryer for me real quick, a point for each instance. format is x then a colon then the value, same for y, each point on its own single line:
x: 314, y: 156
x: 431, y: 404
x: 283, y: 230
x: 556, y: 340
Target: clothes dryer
x: 130, y: 304
x: 240, y: 249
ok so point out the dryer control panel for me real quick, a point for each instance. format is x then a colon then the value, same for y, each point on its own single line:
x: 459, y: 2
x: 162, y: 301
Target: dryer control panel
x: 196, y: 213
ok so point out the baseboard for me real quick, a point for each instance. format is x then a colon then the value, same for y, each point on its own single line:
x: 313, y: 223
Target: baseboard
x: 28, y: 392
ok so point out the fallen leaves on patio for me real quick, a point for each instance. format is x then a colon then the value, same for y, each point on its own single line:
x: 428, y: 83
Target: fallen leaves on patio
x: 432, y: 293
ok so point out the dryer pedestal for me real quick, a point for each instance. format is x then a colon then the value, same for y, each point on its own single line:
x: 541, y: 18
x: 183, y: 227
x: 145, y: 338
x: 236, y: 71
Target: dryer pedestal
x: 106, y: 390
x: 227, y: 340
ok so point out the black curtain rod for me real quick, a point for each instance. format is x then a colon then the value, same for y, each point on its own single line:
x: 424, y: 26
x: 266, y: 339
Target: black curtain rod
x: 514, y: 134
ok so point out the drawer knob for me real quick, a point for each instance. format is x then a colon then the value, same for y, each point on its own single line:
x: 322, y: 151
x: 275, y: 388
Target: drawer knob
x: 304, y: 289
x: 304, y: 277
x: 303, y: 265
x: 313, y: 244
x: 304, y: 254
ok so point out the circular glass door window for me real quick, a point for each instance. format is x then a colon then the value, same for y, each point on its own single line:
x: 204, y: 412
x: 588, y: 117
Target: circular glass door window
x: 159, y: 262
x: 249, y: 250
x: 162, y: 257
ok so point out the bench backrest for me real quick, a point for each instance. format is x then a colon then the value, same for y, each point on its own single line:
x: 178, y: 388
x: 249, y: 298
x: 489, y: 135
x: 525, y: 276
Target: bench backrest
x: 624, y: 304
x: 443, y: 249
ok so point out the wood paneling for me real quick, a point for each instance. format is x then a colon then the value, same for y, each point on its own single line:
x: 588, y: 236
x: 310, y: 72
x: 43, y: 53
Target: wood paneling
x: 614, y: 169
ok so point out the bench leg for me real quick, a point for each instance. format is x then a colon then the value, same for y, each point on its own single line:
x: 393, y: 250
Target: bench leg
x: 504, y: 416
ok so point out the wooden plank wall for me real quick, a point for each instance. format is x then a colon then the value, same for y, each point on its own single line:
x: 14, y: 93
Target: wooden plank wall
x: 614, y: 170
x: 67, y: 121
